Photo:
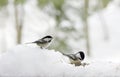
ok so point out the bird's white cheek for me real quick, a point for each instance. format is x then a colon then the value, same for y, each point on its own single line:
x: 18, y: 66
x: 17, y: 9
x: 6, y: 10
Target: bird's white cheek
x: 78, y: 55
x: 47, y: 39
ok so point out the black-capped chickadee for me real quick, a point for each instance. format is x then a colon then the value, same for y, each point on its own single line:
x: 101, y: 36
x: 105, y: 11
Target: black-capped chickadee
x: 43, y: 42
x: 76, y: 58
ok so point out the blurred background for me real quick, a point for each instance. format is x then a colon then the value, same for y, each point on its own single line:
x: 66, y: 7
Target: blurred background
x: 88, y: 25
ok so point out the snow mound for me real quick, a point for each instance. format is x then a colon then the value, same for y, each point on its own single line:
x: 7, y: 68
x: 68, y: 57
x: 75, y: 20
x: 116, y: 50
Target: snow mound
x: 35, y: 62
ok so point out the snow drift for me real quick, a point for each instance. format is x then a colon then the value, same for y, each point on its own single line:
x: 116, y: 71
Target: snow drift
x: 35, y: 62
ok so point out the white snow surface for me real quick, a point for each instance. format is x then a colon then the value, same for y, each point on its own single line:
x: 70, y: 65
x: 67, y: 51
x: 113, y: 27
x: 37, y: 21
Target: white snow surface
x: 27, y: 61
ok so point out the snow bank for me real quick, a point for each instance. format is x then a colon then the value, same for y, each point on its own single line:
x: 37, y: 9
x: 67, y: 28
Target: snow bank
x: 34, y: 62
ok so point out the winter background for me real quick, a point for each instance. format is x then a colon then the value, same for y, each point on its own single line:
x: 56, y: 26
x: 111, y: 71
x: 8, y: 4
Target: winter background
x: 88, y: 25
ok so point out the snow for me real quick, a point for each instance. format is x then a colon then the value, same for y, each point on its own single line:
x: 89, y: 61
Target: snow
x: 25, y: 60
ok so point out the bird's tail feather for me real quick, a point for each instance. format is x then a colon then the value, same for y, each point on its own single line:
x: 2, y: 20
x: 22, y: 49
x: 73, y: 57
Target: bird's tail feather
x: 29, y: 42
x: 64, y: 54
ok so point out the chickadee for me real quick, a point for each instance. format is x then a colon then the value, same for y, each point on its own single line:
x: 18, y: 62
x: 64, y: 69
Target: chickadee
x: 76, y: 58
x: 43, y: 42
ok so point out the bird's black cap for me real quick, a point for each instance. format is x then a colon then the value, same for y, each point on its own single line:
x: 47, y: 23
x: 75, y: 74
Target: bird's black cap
x: 48, y: 36
x: 82, y: 55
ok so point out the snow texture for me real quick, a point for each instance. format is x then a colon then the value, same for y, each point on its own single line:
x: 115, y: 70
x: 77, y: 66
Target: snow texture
x: 26, y: 61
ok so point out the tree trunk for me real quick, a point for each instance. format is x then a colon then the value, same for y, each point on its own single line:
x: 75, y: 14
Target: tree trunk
x: 18, y: 24
x: 104, y: 27
x: 86, y: 28
x: 102, y: 19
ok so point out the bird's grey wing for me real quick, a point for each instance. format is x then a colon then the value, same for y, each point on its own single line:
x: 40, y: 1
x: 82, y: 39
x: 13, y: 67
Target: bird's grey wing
x: 37, y: 41
x: 71, y: 56
x: 40, y: 41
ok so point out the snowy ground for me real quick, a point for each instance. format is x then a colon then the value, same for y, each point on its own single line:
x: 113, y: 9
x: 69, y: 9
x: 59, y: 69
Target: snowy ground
x: 31, y: 61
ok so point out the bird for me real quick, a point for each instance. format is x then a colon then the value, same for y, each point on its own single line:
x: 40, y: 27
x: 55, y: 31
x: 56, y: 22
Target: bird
x: 43, y: 42
x: 76, y: 58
